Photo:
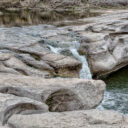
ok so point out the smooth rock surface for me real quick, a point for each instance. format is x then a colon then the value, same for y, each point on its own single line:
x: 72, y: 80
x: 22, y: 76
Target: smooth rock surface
x: 74, y: 119
x: 105, y: 41
x: 58, y: 94
x: 10, y: 104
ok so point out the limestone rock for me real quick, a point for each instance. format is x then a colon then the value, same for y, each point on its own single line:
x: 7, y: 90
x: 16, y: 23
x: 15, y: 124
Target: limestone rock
x: 74, y: 119
x: 49, y: 65
x: 16, y: 66
x: 64, y: 66
x: 105, y: 42
x: 18, y: 105
x: 58, y: 94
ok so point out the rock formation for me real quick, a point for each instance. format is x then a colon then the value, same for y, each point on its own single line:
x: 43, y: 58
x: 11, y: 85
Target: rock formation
x: 105, y: 41
x: 32, y: 90
x: 32, y: 95
x: 74, y: 119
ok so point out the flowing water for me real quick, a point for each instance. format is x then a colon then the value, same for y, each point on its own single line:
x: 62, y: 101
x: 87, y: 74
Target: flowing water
x: 85, y: 71
x: 116, y: 96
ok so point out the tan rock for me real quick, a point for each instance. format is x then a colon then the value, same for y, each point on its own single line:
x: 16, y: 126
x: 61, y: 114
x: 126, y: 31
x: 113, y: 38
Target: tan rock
x: 74, y: 119
x: 105, y: 42
x: 59, y: 94
x: 10, y: 104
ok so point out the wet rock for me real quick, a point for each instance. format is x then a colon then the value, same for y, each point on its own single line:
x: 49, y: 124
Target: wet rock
x: 58, y: 94
x: 74, y: 119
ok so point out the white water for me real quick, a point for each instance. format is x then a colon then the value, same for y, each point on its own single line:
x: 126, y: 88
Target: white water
x: 54, y: 49
x: 85, y: 71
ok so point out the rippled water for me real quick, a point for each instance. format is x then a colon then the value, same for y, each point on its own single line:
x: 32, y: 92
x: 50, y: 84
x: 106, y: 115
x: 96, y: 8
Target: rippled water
x: 116, y: 96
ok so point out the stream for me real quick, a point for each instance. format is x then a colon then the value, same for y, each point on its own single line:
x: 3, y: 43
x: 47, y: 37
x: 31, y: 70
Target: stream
x: 116, y: 95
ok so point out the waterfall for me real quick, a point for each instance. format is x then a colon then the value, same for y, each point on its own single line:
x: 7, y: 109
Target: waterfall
x: 54, y: 49
x: 85, y: 71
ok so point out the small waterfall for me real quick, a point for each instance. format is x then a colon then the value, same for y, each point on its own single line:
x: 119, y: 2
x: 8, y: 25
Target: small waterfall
x: 85, y: 71
x: 54, y: 49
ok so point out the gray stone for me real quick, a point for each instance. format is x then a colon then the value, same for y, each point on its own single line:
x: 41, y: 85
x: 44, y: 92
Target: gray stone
x: 106, y: 46
x: 59, y: 94
x: 74, y: 119
x: 19, y: 105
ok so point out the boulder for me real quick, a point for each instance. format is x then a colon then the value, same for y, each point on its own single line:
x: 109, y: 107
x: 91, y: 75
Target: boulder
x: 74, y: 119
x: 58, y: 94
x: 105, y: 42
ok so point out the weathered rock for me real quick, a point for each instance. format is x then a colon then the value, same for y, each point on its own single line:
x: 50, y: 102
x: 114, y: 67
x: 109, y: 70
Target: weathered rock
x: 4, y: 69
x: 103, y: 39
x: 18, y: 105
x: 105, y: 42
x: 4, y: 98
x: 1, y: 126
x: 16, y: 66
x: 64, y: 66
x: 26, y: 47
x: 44, y: 66
x: 28, y: 59
x: 58, y: 94
x: 74, y: 119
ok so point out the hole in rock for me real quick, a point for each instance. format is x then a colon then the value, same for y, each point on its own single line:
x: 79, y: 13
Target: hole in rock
x: 63, y: 100
x: 22, y: 108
